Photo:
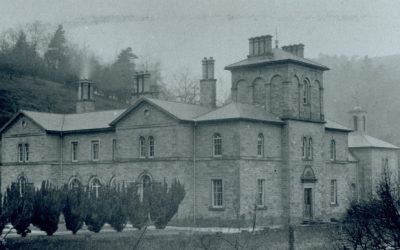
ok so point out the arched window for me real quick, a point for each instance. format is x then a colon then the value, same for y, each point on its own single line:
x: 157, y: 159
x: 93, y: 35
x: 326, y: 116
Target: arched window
x: 74, y: 184
x: 142, y: 147
x: 364, y: 123
x: 113, y: 183
x: 217, y: 145
x: 95, y: 186
x: 144, y: 185
x: 306, y: 92
x: 260, y: 145
x: 333, y: 150
x: 151, y: 146
x: 310, y: 148
x: 21, y: 186
x: 355, y: 123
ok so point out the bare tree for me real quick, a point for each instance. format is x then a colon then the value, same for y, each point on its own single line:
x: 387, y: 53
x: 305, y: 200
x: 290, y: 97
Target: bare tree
x: 186, y: 87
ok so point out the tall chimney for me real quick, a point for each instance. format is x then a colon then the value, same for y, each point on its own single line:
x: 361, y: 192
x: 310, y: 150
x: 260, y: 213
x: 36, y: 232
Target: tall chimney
x: 85, y: 102
x: 208, y: 88
x: 300, y: 50
x: 268, y: 44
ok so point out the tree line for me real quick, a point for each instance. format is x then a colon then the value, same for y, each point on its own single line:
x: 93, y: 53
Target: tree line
x: 23, y: 206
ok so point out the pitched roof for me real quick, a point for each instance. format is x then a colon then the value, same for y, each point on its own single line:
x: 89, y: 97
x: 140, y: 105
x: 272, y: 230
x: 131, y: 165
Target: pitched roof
x: 335, y: 126
x: 278, y: 56
x: 179, y: 110
x: 235, y: 110
x: 182, y: 111
x: 73, y: 122
x: 358, y: 140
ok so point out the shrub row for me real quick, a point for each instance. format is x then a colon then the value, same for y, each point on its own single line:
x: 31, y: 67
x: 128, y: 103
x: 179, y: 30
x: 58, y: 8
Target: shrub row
x: 116, y: 206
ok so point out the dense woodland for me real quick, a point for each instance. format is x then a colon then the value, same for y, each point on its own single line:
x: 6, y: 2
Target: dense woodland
x: 39, y: 71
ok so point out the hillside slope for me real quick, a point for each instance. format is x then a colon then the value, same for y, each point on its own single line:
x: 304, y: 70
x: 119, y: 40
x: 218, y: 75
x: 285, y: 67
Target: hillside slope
x: 42, y: 95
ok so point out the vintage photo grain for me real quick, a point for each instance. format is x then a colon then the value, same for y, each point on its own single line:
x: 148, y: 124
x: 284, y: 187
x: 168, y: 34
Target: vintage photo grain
x: 199, y: 125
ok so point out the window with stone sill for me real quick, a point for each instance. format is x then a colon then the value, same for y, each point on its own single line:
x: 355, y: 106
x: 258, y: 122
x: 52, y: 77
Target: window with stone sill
x: 95, y: 150
x: 333, y: 192
x: 217, y: 193
x: 217, y: 145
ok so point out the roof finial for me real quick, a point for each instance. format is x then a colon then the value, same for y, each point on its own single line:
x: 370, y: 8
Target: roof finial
x: 276, y: 38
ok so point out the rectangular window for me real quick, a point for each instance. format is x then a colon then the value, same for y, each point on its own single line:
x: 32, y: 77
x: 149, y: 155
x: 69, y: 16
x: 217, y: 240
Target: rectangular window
x: 260, y: 192
x: 333, y: 150
x: 26, y: 152
x: 74, y: 151
x: 217, y: 193
x: 142, y: 147
x: 95, y: 150
x: 114, y: 148
x: 217, y: 141
x: 333, y: 192
x: 310, y: 149
x: 151, y: 147
x: 304, y: 148
x: 20, y: 153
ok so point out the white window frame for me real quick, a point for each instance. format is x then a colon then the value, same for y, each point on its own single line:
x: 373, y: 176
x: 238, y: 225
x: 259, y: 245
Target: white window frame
x: 95, y: 188
x: 151, y: 146
x: 260, y: 145
x: 333, y: 192
x: 74, y: 153
x: 217, y: 145
x: 142, y: 147
x: 93, y: 143
x: 260, y: 201
x: 215, y: 200
x: 310, y: 149
x: 304, y: 147
x: 71, y: 182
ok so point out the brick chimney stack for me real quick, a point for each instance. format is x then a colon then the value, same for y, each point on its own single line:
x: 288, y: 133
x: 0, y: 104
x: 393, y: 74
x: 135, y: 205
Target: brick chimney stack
x: 259, y: 46
x: 208, y: 88
x: 296, y: 49
x: 143, y: 85
x: 85, y: 102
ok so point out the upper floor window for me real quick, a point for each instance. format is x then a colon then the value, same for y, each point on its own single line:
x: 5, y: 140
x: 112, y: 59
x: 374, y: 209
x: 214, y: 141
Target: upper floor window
x: 142, y: 147
x: 355, y: 123
x: 23, y: 152
x: 306, y: 92
x: 114, y: 148
x: 333, y: 191
x: 95, y: 150
x: 74, y: 151
x: 217, y: 193
x: 217, y: 145
x: 260, y: 192
x: 260, y: 145
x: 151, y: 146
x: 333, y: 150
x: 307, y: 148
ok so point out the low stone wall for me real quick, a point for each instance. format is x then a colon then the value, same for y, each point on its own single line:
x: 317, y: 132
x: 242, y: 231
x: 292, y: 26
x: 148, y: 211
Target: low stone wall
x: 302, y: 237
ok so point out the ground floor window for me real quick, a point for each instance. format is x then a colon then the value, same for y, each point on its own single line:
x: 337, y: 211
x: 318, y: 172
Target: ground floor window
x: 260, y: 193
x: 217, y: 193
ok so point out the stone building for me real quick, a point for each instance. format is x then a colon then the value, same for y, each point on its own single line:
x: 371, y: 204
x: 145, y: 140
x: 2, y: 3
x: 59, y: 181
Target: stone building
x: 271, y: 150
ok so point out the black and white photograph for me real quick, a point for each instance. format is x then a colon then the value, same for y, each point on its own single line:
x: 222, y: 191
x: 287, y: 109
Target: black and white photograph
x: 199, y: 125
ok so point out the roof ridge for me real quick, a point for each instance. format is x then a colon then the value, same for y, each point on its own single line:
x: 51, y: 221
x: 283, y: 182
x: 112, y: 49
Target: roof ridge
x: 193, y: 104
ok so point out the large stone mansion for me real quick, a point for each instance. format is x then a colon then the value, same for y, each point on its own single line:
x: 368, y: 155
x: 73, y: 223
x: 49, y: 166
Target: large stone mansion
x: 271, y: 148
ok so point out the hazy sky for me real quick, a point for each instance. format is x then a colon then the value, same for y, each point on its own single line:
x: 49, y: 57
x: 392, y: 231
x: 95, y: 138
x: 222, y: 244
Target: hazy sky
x: 180, y: 33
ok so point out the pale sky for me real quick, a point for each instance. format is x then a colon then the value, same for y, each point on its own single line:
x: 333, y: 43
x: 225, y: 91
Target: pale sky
x: 180, y: 33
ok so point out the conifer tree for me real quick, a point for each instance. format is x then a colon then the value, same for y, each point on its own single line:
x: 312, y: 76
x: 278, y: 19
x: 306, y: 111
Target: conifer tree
x: 117, y: 200
x: 74, y: 208
x: 19, y: 205
x: 138, y: 209
x: 47, y: 208
x: 97, y: 212
x: 164, y: 202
